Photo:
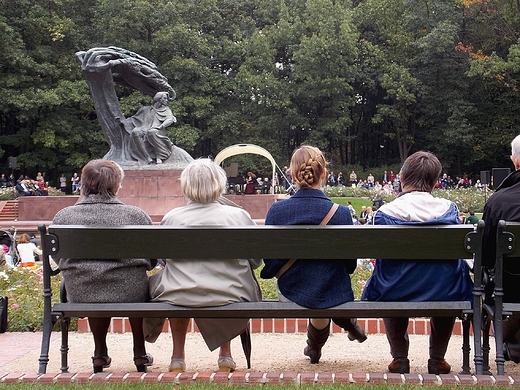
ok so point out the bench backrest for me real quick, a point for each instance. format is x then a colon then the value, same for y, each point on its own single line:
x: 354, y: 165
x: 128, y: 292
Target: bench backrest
x: 302, y: 242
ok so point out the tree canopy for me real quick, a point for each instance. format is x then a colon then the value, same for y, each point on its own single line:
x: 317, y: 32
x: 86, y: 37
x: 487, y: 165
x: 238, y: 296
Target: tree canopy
x: 367, y: 81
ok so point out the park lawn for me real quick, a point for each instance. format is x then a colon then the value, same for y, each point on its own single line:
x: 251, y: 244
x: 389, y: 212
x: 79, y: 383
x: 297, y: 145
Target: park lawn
x: 356, y: 202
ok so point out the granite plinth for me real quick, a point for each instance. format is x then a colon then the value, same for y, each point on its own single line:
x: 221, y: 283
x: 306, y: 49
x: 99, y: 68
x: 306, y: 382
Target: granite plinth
x: 156, y: 192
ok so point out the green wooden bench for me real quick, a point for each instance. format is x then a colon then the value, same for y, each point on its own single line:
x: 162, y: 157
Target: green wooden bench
x: 302, y: 242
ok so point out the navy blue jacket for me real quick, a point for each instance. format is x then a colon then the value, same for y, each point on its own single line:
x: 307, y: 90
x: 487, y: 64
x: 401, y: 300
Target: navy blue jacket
x: 311, y: 283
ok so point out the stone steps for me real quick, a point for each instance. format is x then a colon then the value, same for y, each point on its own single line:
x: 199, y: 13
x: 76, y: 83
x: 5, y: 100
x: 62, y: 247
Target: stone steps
x: 8, y: 210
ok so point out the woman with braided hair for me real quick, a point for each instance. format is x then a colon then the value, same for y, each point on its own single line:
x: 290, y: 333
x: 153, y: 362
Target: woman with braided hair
x: 316, y: 284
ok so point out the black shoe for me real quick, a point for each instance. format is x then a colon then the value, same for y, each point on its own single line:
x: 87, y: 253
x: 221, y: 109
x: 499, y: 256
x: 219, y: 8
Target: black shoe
x: 436, y: 366
x: 357, y: 333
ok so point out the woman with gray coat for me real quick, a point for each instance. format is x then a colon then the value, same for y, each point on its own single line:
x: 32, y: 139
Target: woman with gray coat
x: 107, y: 280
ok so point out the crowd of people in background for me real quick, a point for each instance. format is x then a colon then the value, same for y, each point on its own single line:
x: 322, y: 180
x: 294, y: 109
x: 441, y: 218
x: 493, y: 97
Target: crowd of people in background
x: 39, y: 186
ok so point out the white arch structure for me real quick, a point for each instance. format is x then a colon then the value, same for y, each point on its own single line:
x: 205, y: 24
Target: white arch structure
x: 247, y: 148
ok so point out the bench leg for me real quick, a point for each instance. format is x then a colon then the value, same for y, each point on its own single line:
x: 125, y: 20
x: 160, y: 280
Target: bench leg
x: 466, y: 324
x: 485, y: 347
x: 46, y: 340
x: 478, y: 321
x: 64, y: 325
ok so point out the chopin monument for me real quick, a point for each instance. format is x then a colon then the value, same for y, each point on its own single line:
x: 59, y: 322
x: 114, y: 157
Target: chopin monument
x: 139, y: 143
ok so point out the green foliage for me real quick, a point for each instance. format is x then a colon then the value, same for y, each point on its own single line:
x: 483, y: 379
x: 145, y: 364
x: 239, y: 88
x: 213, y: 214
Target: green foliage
x: 369, y: 82
x: 24, y: 289
x: 7, y: 193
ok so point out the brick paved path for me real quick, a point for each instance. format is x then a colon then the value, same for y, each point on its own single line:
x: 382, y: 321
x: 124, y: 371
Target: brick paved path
x: 25, y: 348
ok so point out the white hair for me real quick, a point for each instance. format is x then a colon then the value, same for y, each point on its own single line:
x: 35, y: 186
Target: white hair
x: 203, y: 181
x: 515, y: 147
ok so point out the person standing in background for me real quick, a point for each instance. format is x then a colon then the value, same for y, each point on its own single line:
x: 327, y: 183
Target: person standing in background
x: 63, y: 183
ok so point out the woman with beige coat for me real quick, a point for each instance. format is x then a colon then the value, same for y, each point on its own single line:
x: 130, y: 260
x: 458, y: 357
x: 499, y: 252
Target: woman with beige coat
x: 200, y: 283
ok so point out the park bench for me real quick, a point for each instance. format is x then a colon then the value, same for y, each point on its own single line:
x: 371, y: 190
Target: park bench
x: 496, y: 310
x: 302, y: 242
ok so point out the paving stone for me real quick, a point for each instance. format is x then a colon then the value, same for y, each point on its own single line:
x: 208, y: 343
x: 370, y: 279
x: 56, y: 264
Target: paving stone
x: 394, y: 379
x: 171, y: 377
x: 11, y: 378
x: 466, y: 380
x: 412, y: 379
x: 377, y: 378
x: 117, y: 377
x: 307, y: 378
x: 184, y: 378
x: 256, y: 378
x: 238, y: 378
x: 324, y: 378
x: 431, y: 380
x: 449, y: 380
x: 502, y: 381
x: 485, y: 380
x: 64, y: 378
x: 342, y: 378
x: 99, y: 378
x: 203, y: 377
x: 274, y: 377
x: 289, y: 378
x: 134, y: 377
x: 359, y: 377
x: 221, y: 378
x: 82, y: 377
x: 30, y: 378
x: 151, y: 377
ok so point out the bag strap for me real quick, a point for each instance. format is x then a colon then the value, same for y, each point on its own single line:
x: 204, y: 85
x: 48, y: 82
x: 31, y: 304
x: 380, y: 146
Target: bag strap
x: 325, y: 221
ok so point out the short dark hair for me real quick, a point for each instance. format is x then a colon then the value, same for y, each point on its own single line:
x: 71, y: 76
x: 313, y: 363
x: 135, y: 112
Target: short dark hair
x: 421, y: 171
x: 101, y: 177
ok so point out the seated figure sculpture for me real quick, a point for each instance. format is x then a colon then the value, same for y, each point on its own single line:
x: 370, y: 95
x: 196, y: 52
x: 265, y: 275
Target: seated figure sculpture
x: 148, y: 142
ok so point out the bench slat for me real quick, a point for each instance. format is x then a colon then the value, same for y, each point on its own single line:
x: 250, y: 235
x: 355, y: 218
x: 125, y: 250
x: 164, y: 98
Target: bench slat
x: 302, y: 242
x: 265, y: 309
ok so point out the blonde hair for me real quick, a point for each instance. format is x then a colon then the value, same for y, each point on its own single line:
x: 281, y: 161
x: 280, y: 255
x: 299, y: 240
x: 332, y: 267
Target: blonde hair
x: 308, y: 166
x: 203, y: 181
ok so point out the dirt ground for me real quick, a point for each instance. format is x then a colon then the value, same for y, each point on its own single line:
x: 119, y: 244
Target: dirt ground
x: 270, y: 353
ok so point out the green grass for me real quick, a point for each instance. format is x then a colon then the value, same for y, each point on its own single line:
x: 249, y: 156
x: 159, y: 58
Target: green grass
x: 356, y: 202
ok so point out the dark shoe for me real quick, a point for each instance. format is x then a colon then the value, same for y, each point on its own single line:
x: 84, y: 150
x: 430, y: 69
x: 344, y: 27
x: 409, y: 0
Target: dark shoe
x: 315, y: 341
x: 100, y: 362
x: 436, y: 366
x: 399, y: 366
x: 141, y: 362
x: 357, y: 332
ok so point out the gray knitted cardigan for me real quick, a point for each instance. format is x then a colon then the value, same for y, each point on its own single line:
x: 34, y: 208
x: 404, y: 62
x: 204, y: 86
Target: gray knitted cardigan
x: 110, y: 280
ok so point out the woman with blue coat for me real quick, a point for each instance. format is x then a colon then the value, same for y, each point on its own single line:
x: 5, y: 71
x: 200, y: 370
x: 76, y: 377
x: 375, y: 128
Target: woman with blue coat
x: 315, y: 284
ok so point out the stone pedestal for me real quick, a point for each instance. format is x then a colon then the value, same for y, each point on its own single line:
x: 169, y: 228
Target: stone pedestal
x: 154, y: 191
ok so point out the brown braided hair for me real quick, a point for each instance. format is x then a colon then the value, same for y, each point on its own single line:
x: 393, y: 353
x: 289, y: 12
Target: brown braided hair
x: 307, y: 166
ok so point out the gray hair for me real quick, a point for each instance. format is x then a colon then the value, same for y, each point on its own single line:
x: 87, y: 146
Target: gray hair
x: 515, y: 147
x: 203, y: 181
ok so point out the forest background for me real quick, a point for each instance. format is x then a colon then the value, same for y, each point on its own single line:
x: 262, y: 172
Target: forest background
x: 367, y: 81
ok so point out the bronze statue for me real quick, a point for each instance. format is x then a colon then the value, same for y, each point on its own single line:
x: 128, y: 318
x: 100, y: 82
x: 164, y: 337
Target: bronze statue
x: 140, y: 140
